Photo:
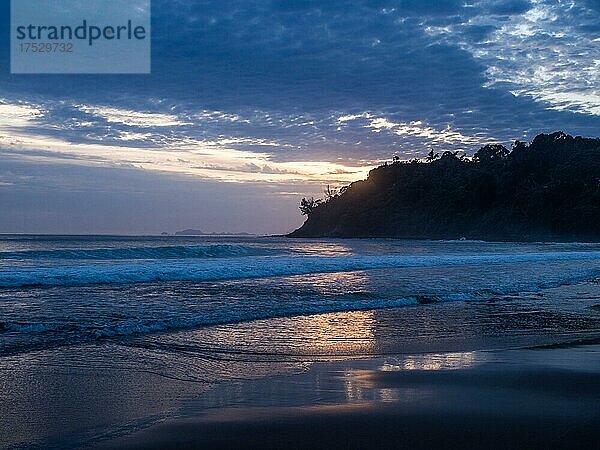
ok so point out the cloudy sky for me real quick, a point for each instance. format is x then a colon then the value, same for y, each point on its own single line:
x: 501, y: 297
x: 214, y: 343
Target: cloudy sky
x: 253, y: 104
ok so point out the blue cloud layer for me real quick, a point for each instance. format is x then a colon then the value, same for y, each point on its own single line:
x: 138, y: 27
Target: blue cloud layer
x: 276, y: 76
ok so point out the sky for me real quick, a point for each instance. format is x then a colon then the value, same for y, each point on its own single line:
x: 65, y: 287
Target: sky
x: 253, y: 104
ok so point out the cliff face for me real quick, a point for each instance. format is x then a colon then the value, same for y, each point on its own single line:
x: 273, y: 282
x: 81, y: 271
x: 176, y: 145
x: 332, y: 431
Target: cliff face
x: 547, y: 190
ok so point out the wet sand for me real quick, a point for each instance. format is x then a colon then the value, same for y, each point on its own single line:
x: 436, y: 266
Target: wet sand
x: 530, y: 398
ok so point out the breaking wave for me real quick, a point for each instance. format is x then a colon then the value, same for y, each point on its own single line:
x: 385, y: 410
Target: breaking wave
x: 149, y: 253
x: 229, y: 268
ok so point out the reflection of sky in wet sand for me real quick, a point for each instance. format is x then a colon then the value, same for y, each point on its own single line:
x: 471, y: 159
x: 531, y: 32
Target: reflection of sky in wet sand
x: 68, y: 396
x: 360, y: 392
x: 434, y: 361
x: 360, y: 386
x: 359, y: 382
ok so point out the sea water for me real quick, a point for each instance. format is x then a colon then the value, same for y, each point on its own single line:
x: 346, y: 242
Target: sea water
x: 65, y: 290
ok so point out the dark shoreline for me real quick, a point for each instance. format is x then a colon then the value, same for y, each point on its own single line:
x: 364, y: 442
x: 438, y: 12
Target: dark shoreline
x: 487, y: 239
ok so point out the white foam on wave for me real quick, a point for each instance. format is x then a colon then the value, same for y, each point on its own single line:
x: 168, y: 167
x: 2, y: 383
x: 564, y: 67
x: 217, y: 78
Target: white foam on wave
x: 131, y: 326
x: 148, y: 252
x: 256, y: 267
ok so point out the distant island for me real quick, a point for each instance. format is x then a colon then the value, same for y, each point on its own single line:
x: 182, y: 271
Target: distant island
x: 546, y: 190
x: 191, y: 232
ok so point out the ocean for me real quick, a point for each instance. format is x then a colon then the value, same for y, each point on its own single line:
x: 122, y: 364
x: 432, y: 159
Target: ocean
x: 204, y: 310
x: 61, y: 290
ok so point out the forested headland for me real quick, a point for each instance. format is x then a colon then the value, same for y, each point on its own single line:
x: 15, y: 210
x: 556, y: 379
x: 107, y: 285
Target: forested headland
x: 548, y: 189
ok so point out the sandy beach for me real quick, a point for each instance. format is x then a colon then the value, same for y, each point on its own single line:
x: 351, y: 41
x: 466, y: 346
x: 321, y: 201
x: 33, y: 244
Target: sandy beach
x: 535, y: 398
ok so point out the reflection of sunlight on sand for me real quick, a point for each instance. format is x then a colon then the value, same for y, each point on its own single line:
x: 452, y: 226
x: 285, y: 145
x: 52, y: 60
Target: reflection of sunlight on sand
x: 263, y: 347
x: 434, y: 361
x: 396, y: 395
x: 337, y: 334
x: 361, y: 388
x: 362, y: 385
x: 334, y: 334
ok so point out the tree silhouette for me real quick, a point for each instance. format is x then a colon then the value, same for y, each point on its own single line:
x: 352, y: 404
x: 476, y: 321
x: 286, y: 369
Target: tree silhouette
x: 491, y: 153
x: 308, y: 205
x: 330, y: 193
x: 432, y: 156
